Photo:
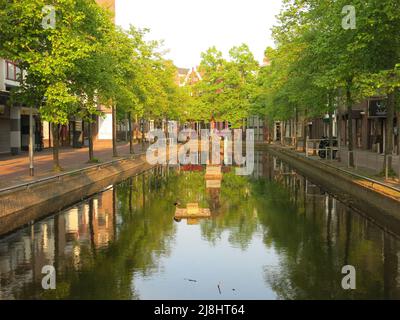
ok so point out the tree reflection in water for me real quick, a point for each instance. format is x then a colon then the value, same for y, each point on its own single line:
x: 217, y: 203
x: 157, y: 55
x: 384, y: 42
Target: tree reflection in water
x: 316, y: 236
x: 108, y: 246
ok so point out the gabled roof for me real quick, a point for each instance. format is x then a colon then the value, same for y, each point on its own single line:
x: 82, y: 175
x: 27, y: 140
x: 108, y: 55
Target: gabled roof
x: 192, y: 73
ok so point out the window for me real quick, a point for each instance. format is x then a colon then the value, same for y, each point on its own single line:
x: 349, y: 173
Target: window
x: 13, y: 72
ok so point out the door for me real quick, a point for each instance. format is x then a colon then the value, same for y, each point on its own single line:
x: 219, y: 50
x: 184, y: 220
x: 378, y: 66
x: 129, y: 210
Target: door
x: 5, y: 136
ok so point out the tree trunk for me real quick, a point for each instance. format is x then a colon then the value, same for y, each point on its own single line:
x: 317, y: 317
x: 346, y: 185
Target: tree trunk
x: 166, y: 128
x: 142, y: 132
x: 339, y: 135
x: 126, y: 130
x: 50, y: 138
x: 56, y: 144
x: 330, y: 128
x: 131, y: 151
x: 136, y: 128
x: 296, y: 120
x: 398, y: 133
x: 304, y: 134
x: 387, y: 163
x: 349, y: 104
x: 114, y: 131
x: 330, y: 136
x: 90, y: 132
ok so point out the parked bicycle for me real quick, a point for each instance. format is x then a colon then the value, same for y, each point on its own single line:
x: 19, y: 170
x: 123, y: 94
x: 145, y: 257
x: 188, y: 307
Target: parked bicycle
x: 324, y: 149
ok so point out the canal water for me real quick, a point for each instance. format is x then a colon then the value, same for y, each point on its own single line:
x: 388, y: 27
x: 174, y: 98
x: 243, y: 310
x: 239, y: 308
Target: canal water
x: 272, y: 235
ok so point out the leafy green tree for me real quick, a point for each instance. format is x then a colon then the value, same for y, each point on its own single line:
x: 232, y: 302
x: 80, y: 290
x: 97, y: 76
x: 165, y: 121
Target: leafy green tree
x: 91, y: 76
x: 358, y: 62
x: 226, y: 91
x: 47, y: 55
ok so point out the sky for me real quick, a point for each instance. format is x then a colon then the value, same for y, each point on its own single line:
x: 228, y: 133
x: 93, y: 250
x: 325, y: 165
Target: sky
x: 189, y: 27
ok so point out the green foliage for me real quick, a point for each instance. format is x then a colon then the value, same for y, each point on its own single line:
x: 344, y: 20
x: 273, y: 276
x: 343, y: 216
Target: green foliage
x: 227, y: 88
x: 315, y: 56
x: 83, y: 62
x: 48, y: 56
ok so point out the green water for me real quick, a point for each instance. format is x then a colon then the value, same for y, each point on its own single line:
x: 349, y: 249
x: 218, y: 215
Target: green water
x: 273, y: 235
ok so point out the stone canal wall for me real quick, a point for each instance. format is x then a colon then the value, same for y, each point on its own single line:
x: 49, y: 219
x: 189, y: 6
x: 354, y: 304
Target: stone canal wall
x: 382, y: 204
x: 21, y: 205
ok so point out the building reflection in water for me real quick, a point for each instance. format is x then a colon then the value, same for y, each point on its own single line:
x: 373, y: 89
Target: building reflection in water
x: 54, y: 241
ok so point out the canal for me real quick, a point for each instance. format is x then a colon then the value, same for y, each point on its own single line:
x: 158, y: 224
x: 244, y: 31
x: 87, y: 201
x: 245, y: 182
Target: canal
x: 272, y: 235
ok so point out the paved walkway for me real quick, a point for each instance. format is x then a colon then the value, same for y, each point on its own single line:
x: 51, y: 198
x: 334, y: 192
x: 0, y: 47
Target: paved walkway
x: 369, y: 160
x: 15, y: 169
x: 367, y: 163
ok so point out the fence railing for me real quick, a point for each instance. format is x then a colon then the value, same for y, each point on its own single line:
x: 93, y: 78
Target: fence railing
x: 372, y: 182
x: 372, y: 161
x: 60, y: 176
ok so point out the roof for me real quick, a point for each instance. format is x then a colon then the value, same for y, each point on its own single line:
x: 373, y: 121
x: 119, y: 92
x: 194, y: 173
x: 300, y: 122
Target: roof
x: 189, y: 75
x: 183, y: 71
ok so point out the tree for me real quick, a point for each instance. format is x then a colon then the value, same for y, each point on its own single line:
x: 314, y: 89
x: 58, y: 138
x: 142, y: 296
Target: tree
x: 47, y: 55
x: 378, y: 23
x: 117, y: 72
x: 91, y: 76
x: 318, y: 56
x: 227, y: 89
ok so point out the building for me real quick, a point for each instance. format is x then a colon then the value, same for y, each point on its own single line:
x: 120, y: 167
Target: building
x: 9, y: 117
x: 369, y: 125
x: 187, y: 77
x: 181, y: 75
x: 14, y: 119
x: 258, y: 125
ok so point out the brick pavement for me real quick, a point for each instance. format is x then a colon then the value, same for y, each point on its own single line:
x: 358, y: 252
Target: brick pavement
x: 15, y: 169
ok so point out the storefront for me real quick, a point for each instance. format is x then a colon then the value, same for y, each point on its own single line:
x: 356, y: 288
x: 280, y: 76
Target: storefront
x: 4, y: 125
x: 369, y: 126
x: 376, y: 125
x: 14, y: 127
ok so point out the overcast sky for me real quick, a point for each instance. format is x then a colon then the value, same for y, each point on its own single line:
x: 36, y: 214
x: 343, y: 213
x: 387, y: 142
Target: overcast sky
x: 189, y: 27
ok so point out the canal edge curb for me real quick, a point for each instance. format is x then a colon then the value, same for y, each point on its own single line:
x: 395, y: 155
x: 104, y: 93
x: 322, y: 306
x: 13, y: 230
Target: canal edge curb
x: 24, y: 203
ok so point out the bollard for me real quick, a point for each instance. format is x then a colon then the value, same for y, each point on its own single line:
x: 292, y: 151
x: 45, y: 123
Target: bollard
x: 398, y: 174
x: 306, y: 147
x: 348, y: 159
x: 386, y: 167
x: 355, y: 160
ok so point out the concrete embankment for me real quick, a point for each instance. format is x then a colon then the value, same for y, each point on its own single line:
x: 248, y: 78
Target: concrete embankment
x: 380, y: 202
x: 22, y: 204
